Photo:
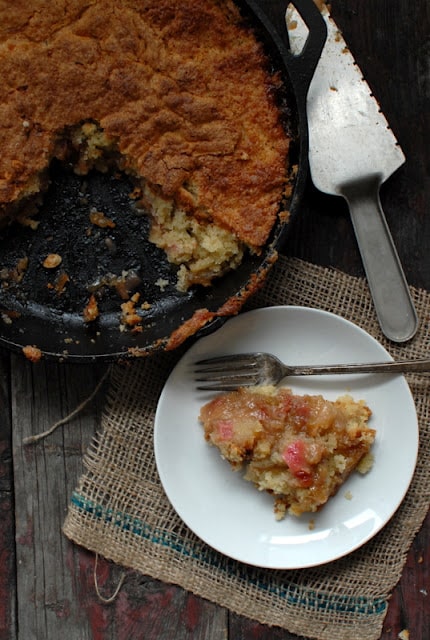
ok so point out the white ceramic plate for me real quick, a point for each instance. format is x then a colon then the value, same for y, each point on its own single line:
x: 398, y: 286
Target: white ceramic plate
x: 227, y: 512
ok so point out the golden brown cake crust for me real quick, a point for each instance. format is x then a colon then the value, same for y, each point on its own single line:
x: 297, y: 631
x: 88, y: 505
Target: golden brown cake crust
x: 181, y: 87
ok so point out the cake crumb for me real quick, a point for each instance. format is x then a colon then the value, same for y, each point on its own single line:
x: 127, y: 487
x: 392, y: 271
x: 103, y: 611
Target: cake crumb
x: 129, y: 316
x: 32, y: 353
x: 348, y: 495
x: 91, y: 311
x: 52, y: 260
x: 366, y: 463
x: 99, y: 219
x: 61, y: 282
x: 161, y: 283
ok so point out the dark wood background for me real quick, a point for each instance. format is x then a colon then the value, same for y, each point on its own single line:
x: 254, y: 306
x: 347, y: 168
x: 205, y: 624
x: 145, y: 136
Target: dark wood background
x: 47, y: 584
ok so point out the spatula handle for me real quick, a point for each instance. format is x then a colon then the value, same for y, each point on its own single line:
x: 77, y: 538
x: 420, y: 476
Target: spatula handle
x: 387, y: 283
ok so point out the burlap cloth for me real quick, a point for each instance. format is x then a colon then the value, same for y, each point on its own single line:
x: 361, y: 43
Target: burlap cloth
x: 120, y: 511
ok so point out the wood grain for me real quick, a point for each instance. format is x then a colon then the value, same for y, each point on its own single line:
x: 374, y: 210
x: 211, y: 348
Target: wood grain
x: 7, y: 538
x: 45, y: 474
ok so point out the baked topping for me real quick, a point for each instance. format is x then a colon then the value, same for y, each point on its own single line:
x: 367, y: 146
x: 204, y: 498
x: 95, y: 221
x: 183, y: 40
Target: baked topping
x: 178, y: 95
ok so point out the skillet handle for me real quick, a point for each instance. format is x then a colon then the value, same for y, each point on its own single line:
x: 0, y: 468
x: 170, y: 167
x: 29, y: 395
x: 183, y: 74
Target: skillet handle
x: 301, y: 67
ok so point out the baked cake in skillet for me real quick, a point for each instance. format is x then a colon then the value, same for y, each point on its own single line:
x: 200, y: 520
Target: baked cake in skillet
x: 298, y: 448
x: 179, y: 95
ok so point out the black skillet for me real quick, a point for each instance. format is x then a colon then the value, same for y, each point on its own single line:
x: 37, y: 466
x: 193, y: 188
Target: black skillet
x: 32, y: 311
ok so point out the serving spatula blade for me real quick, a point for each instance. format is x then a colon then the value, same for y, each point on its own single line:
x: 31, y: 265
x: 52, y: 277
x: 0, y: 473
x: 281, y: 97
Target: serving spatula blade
x: 352, y: 151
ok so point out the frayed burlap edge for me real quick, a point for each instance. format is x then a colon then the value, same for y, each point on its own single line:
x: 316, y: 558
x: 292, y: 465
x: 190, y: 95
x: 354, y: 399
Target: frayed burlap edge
x: 120, y: 511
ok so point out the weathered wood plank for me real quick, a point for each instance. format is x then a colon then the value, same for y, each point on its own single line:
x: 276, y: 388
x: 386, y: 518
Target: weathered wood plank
x: 410, y: 603
x: 244, y: 629
x: 44, y: 477
x: 144, y: 608
x: 7, y: 524
x: 7, y: 568
x: 56, y: 589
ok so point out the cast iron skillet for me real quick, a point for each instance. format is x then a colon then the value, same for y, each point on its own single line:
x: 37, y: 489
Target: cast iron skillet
x: 33, y: 314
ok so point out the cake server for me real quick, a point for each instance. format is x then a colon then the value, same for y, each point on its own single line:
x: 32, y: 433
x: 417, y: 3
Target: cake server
x: 352, y: 151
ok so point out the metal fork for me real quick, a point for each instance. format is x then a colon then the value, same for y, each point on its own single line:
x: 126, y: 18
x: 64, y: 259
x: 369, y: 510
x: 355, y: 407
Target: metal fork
x: 225, y: 373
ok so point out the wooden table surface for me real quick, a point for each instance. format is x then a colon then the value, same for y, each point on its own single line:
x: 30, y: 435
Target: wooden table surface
x: 46, y: 583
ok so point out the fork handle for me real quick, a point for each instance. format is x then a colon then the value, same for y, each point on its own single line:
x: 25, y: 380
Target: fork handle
x: 405, y: 366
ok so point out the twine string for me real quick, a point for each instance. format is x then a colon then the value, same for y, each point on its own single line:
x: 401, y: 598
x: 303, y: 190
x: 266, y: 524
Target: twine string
x: 113, y: 597
x: 40, y: 436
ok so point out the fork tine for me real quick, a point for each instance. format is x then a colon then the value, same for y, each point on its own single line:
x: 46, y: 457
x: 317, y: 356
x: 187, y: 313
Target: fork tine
x: 228, y: 382
x: 225, y: 376
x: 225, y: 373
x: 228, y: 365
x: 224, y: 386
x: 214, y: 360
x: 235, y: 359
x: 229, y: 371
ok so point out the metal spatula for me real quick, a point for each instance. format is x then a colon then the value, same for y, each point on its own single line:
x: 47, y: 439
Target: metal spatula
x: 352, y: 151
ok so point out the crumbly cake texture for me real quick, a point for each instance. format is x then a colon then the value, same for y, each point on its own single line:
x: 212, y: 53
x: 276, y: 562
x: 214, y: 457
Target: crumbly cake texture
x: 178, y: 95
x: 300, y: 449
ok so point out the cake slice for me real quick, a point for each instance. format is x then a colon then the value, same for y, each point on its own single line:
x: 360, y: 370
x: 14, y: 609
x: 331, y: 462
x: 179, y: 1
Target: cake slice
x: 298, y: 448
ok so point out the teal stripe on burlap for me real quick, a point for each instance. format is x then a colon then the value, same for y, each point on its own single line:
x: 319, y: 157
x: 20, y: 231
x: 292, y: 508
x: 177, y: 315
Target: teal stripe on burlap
x: 294, y: 594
